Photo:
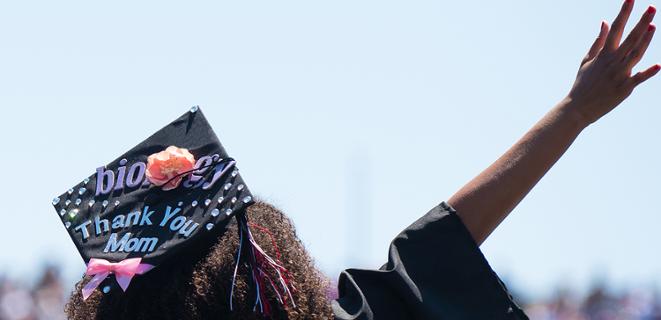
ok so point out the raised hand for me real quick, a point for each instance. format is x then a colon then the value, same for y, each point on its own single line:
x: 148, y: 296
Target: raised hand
x: 605, y: 78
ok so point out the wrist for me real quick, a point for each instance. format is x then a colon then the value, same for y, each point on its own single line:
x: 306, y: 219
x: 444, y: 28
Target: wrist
x: 569, y: 110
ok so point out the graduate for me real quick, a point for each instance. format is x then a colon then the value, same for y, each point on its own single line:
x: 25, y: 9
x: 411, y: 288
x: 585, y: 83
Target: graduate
x: 170, y: 230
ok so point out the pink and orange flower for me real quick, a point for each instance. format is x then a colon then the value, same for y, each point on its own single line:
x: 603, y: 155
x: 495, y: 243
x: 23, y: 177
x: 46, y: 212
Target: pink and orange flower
x: 169, y: 167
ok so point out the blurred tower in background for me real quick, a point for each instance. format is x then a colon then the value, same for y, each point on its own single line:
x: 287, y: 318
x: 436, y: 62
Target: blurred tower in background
x: 359, y: 216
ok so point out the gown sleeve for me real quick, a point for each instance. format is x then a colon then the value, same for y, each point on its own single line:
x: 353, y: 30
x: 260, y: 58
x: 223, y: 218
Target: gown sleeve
x: 435, y: 270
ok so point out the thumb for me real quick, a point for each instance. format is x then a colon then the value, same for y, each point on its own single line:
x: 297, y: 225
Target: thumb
x: 598, y: 42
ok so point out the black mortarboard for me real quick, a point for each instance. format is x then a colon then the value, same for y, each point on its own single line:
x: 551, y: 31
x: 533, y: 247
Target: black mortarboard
x: 176, y: 187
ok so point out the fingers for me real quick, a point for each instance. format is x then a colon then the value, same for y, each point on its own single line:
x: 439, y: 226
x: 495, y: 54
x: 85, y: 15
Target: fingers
x: 637, y: 53
x: 615, y: 34
x: 642, y: 76
x: 637, y: 33
x: 598, y: 43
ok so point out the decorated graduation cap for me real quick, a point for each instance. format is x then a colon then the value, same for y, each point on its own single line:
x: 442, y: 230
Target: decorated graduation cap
x: 174, y: 189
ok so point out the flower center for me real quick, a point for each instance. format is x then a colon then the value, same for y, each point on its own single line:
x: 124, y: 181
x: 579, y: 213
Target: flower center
x: 171, y: 167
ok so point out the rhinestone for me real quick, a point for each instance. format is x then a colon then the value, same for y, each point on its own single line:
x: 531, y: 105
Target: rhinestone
x: 215, y: 212
x: 209, y: 226
x: 68, y: 202
x: 91, y: 202
x: 247, y: 199
x: 181, y: 203
x: 116, y: 203
x: 70, y: 191
x: 194, y: 109
x: 233, y: 199
x: 86, y: 181
x: 240, y: 187
x: 106, y: 289
x: 220, y: 199
x: 56, y: 201
x: 227, y: 186
x: 63, y: 211
x: 67, y: 224
x: 104, y: 203
x: 81, y: 191
x: 78, y: 201
x: 206, y: 202
x: 234, y: 173
x: 194, y: 203
x: 73, y: 213
x: 228, y: 211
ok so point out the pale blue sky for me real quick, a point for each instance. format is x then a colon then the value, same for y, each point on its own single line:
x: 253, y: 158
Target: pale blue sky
x: 322, y: 103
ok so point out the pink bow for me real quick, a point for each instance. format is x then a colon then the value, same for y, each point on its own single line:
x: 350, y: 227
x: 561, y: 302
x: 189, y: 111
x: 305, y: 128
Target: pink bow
x: 123, y: 270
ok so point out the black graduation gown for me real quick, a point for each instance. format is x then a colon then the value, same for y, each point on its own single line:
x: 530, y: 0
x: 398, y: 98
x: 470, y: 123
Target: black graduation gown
x: 435, y: 270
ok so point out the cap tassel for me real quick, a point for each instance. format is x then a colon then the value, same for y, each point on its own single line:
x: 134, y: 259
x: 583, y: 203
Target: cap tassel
x: 259, y: 263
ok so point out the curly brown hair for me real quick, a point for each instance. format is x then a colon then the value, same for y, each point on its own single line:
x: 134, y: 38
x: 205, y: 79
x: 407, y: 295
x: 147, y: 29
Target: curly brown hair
x: 197, y: 285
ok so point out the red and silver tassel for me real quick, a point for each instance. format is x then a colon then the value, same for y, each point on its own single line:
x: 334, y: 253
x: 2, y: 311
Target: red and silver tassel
x: 260, y: 262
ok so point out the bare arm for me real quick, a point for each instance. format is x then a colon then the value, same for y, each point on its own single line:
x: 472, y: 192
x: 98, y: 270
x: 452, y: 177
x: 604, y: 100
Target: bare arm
x: 604, y: 80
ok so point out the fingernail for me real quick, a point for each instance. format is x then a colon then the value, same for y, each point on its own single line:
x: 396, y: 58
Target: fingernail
x: 651, y: 9
x: 651, y: 27
x: 657, y: 67
x: 628, y: 1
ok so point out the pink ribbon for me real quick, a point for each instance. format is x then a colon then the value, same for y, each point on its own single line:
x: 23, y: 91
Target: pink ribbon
x: 123, y: 271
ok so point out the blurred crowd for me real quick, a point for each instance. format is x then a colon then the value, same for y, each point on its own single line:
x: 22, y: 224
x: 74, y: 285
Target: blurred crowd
x: 45, y: 299
x: 598, y: 303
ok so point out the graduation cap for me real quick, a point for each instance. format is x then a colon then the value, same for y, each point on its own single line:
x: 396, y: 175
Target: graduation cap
x: 175, y: 188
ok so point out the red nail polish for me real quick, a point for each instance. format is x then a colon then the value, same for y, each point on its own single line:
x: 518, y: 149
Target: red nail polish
x: 657, y: 67
x: 651, y: 27
x: 651, y: 9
